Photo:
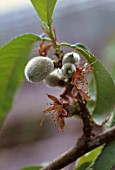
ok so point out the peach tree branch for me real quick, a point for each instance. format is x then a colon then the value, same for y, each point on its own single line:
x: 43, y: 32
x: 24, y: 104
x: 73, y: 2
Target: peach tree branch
x: 80, y: 148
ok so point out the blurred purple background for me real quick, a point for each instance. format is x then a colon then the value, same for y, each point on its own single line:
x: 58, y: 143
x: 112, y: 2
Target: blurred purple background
x: 22, y: 140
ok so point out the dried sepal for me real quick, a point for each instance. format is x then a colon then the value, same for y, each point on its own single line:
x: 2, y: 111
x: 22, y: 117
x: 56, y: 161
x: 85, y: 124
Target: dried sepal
x: 53, y: 98
x: 61, y: 122
x: 80, y: 82
x: 58, y: 110
x: 67, y: 95
x: 43, y: 48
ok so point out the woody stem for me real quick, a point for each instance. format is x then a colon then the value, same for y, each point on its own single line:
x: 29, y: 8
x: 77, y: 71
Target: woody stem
x: 87, y: 124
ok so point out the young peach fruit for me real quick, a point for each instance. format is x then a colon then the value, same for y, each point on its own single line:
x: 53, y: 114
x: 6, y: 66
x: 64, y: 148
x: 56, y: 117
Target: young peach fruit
x: 68, y: 70
x: 38, y: 68
x: 55, y: 78
x: 71, y: 57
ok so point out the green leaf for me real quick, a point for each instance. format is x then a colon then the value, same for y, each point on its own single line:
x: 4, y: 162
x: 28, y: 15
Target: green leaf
x: 111, y: 121
x: 13, y: 58
x: 92, y: 93
x: 44, y: 9
x: 105, y: 88
x: 113, y: 72
x: 107, y: 156
x: 82, y: 46
x: 32, y: 168
x: 86, y: 160
x: 106, y: 160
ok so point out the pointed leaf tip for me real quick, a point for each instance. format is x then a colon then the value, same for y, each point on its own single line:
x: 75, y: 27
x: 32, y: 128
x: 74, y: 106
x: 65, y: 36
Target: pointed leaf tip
x: 44, y: 9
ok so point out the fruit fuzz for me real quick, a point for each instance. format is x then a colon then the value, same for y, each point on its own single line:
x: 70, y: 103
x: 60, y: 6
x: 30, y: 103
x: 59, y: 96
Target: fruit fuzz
x: 71, y: 57
x: 38, y: 68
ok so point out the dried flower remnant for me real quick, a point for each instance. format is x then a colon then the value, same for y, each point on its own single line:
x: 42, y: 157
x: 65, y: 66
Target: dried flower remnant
x: 76, y: 91
x: 58, y: 110
x: 43, y: 48
x: 80, y: 83
x: 67, y: 95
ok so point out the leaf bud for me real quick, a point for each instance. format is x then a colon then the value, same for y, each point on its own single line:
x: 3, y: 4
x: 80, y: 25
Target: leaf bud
x: 68, y: 70
x: 71, y: 57
x: 55, y: 78
x: 38, y: 68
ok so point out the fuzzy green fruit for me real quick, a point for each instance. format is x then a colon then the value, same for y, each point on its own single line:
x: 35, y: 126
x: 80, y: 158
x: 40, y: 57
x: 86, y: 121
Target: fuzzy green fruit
x: 68, y: 70
x: 71, y: 57
x: 55, y: 78
x: 38, y: 68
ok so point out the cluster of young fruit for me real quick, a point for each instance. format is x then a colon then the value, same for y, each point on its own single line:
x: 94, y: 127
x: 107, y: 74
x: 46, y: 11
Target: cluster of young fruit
x: 42, y: 68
